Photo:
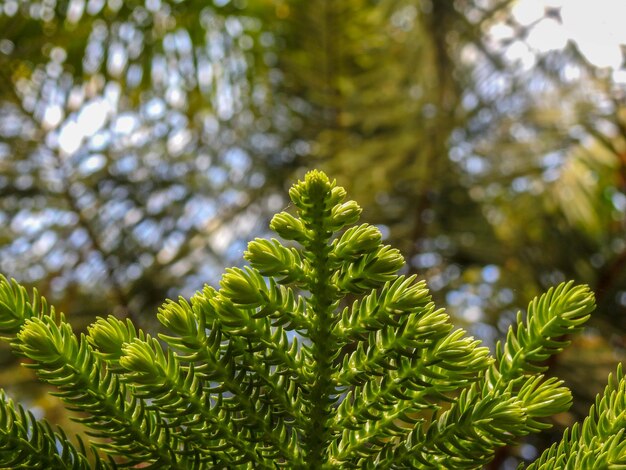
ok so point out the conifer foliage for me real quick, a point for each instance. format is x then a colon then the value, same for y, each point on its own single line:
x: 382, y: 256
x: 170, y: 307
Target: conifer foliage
x: 317, y: 354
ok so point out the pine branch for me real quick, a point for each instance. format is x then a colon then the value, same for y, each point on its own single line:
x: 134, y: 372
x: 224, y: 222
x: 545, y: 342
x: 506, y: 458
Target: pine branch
x: 599, y: 442
x: 274, y: 369
x: 85, y: 385
x: 28, y: 443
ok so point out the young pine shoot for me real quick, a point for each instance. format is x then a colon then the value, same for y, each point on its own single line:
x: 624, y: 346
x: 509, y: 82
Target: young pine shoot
x: 316, y: 355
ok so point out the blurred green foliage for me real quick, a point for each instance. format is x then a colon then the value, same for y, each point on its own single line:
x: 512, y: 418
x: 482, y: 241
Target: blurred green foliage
x: 142, y: 142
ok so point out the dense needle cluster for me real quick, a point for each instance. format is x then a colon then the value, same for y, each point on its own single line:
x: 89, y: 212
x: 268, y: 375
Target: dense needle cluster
x: 317, y: 354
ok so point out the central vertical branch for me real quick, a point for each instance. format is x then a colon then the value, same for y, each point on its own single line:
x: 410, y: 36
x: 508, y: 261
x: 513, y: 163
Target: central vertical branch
x: 323, y: 353
x: 316, y: 209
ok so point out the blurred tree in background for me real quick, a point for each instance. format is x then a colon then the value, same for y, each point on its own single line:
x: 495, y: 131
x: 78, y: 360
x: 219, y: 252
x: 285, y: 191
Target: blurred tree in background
x: 143, y: 143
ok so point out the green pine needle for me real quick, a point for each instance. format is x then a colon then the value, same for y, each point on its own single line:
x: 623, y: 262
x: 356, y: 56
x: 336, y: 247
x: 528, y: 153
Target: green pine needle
x: 318, y: 354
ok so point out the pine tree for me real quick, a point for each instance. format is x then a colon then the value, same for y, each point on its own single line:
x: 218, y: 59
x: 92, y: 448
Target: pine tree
x: 317, y: 354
